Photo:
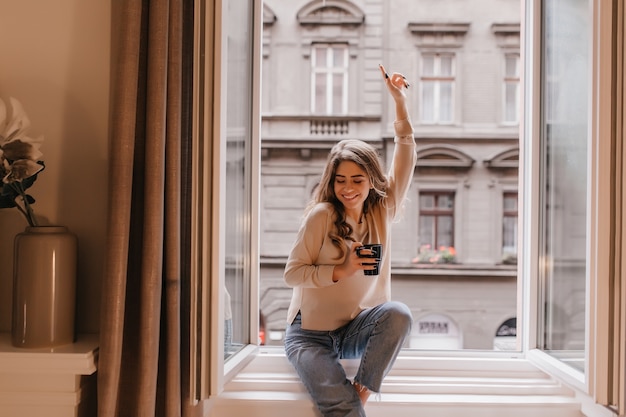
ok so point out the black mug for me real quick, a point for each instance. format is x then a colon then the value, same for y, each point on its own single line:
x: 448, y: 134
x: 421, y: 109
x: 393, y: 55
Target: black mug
x: 376, y: 254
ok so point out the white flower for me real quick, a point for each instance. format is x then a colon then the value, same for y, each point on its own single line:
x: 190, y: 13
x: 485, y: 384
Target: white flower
x: 19, y: 160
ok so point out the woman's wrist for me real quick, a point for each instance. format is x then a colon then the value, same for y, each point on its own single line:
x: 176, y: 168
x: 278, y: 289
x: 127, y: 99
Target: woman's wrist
x: 403, y: 127
x: 401, y: 111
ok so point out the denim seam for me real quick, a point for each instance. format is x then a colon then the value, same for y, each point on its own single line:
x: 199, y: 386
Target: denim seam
x: 363, y: 360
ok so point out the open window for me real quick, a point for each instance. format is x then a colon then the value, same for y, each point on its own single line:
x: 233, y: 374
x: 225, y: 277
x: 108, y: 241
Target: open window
x: 569, y: 296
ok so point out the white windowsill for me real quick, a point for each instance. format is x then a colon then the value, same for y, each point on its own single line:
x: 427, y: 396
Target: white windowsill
x: 438, y: 381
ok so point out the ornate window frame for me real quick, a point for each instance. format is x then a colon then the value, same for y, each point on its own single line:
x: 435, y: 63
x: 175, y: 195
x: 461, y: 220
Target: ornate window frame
x: 346, y: 17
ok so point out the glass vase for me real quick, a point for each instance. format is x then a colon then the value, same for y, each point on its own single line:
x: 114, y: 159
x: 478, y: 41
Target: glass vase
x: 44, y: 287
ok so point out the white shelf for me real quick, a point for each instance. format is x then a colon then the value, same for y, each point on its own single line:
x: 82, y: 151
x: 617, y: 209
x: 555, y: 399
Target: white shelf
x: 56, y: 382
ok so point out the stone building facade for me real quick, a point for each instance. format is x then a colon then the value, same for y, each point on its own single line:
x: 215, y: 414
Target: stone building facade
x: 454, y: 250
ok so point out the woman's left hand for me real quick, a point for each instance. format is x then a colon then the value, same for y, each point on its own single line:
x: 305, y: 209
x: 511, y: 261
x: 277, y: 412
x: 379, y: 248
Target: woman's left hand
x: 396, y: 84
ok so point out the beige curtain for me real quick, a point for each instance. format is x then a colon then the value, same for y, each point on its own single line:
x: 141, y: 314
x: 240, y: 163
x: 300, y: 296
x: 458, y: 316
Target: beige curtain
x: 140, y: 334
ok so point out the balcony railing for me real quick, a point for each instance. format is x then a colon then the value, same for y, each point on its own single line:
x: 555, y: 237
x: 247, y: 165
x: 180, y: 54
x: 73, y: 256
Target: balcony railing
x: 332, y: 127
x: 306, y: 130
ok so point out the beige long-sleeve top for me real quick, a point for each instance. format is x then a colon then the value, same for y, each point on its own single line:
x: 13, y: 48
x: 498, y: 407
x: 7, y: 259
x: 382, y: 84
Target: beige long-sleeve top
x: 328, y: 305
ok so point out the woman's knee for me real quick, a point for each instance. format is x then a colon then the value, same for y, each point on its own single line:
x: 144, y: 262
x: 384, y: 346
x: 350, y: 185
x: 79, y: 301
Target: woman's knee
x: 400, y: 315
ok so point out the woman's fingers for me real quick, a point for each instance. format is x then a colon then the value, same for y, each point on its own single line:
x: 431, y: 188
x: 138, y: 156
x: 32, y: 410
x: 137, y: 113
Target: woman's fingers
x: 399, y: 80
x: 396, y: 82
x: 382, y: 69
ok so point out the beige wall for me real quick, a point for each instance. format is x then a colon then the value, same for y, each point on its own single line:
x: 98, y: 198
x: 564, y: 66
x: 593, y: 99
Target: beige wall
x: 55, y: 59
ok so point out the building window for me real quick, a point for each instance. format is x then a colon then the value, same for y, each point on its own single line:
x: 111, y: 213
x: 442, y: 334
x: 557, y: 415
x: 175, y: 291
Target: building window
x: 437, y: 88
x: 329, y: 79
x: 506, y: 335
x: 511, y: 88
x: 509, y: 228
x: 436, y: 219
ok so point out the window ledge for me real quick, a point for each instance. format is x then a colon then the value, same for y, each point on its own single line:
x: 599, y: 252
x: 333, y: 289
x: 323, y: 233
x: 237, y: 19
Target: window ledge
x: 570, y: 377
x: 474, y: 385
x: 466, y: 270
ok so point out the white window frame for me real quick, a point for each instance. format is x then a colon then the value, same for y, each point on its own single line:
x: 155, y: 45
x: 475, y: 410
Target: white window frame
x: 593, y: 386
x: 208, y: 372
x: 437, y: 78
x: 329, y: 70
x: 507, y: 80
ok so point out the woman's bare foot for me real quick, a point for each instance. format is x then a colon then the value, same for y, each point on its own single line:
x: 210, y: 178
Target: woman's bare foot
x: 363, y: 392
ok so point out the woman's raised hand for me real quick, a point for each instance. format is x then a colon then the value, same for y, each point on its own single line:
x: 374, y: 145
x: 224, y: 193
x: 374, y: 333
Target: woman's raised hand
x: 396, y: 83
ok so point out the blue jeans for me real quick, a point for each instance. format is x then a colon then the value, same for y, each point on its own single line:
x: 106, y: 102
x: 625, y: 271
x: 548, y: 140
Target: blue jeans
x: 376, y: 336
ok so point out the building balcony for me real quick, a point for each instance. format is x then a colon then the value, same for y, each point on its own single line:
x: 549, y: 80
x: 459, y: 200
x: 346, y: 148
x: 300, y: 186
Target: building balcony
x: 318, y: 132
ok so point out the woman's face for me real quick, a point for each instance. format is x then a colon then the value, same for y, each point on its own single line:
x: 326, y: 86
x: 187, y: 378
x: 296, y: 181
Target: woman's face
x: 352, y: 186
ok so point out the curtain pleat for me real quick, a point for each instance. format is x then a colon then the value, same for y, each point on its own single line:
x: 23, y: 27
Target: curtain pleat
x: 153, y: 218
x: 173, y: 155
x: 121, y: 155
x: 140, y: 356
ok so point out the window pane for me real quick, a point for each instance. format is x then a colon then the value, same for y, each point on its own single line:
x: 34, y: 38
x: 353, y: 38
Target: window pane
x: 444, y: 202
x: 320, y: 94
x: 337, y: 94
x: 511, y: 66
x: 510, y: 102
x: 564, y: 178
x: 509, y: 233
x: 446, y: 68
x: 428, y: 102
x: 444, y: 231
x: 509, y: 203
x: 320, y: 57
x: 428, y: 65
x: 509, y: 239
x: 427, y: 230
x: 551, y: 81
x: 445, y: 102
x: 238, y: 177
x: 511, y: 88
x: 427, y: 201
x: 509, y: 228
x: 338, y: 57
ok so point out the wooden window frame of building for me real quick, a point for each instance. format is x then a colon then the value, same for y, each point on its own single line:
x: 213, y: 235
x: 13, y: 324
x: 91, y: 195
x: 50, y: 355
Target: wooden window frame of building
x: 436, y: 212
